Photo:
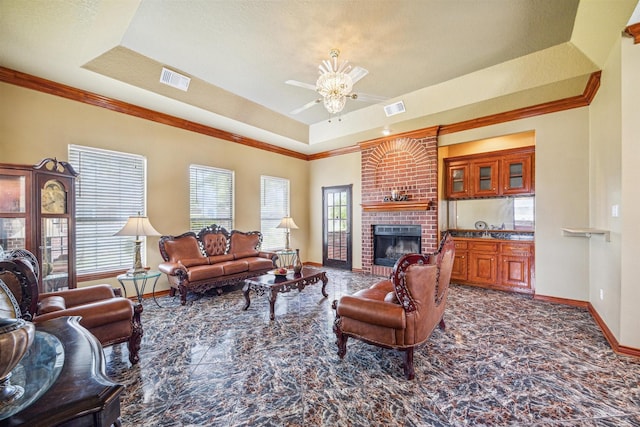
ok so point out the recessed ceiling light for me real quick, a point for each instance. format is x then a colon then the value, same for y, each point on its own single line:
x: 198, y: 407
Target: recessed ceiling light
x: 386, y: 131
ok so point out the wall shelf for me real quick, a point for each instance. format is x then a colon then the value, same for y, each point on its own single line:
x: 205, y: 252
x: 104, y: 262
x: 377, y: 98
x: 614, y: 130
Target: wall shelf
x: 586, y: 232
x: 408, y: 205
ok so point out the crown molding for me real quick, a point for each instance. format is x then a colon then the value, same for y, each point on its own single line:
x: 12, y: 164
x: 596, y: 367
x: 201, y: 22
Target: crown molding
x: 47, y: 86
x: 634, y: 32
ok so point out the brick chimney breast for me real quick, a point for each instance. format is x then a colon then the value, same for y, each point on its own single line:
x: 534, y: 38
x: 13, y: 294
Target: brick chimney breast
x: 410, y: 167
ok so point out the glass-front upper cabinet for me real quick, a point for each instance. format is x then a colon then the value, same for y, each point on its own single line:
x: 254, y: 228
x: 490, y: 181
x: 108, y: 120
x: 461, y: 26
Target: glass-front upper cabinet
x: 517, y: 173
x: 457, y: 179
x: 485, y: 177
x: 15, y: 209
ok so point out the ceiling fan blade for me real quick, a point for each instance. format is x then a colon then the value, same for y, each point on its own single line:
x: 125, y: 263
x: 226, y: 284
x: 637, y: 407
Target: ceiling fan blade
x: 357, y: 73
x: 365, y: 97
x: 306, y: 106
x: 301, y: 84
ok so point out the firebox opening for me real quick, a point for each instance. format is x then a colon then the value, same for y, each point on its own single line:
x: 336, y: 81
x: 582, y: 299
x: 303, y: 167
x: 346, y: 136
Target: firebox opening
x: 390, y: 242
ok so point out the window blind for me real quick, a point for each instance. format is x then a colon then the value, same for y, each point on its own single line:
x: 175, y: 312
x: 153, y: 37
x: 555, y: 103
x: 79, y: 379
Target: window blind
x: 211, y: 197
x: 274, y: 205
x: 111, y: 187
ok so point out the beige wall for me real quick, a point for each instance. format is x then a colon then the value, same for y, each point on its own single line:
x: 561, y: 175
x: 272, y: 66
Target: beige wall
x: 329, y: 172
x: 34, y: 125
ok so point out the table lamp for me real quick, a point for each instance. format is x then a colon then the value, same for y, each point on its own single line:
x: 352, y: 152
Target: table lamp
x: 287, y: 223
x: 138, y: 226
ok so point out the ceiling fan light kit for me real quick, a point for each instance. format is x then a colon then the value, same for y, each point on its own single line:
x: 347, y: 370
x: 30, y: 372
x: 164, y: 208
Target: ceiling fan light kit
x: 335, y: 85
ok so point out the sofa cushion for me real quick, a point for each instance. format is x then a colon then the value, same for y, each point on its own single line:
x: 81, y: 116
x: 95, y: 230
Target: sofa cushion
x: 256, y: 263
x: 214, y: 244
x: 233, y: 267
x: 246, y: 254
x: 192, y: 262
x: 204, y: 272
x: 221, y: 258
x: 243, y: 242
x: 184, y: 247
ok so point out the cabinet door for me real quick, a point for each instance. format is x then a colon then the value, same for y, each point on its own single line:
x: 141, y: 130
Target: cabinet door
x: 483, y: 267
x: 15, y: 210
x: 517, y: 174
x: 515, y: 271
x: 457, y: 179
x: 485, y: 177
x: 459, y: 269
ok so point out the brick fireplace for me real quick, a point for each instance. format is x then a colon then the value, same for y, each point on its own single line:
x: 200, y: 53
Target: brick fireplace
x: 407, y: 168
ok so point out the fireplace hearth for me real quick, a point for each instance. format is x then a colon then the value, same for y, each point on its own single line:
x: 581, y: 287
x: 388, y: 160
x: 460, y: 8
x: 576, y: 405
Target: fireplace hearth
x: 391, y: 242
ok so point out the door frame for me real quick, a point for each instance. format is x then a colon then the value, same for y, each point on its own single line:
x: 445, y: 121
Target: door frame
x: 348, y: 263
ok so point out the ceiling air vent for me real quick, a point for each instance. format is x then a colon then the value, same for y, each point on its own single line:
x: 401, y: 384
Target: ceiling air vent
x: 173, y: 79
x: 395, y: 108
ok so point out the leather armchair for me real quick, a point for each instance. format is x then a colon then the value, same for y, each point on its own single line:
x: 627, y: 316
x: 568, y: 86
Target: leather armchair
x: 400, y: 312
x: 112, y: 319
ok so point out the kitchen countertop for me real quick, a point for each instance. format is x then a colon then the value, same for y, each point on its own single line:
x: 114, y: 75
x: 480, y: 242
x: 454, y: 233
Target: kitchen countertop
x: 519, y: 235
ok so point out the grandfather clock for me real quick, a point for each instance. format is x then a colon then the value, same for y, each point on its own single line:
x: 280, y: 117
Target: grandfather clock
x: 37, y: 213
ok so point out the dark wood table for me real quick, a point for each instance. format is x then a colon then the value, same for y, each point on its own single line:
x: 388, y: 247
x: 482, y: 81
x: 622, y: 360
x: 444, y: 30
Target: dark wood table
x: 80, y: 394
x: 272, y: 285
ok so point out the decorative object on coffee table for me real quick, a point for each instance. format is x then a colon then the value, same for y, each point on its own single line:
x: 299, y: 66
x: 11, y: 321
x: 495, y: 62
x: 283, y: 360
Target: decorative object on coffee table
x: 297, y: 266
x: 16, y: 336
x: 273, y: 285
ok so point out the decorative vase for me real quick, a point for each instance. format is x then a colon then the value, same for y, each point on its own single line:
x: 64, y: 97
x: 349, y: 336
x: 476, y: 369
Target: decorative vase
x: 297, y: 266
x: 16, y: 336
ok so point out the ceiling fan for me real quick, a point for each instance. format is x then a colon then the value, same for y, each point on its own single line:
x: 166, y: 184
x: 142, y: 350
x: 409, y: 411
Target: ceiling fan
x: 335, y: 85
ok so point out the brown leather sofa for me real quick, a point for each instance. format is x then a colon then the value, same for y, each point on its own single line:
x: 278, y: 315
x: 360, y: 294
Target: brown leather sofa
x: 212, y: 259
x: 110, y: 318
x: 402, y: 311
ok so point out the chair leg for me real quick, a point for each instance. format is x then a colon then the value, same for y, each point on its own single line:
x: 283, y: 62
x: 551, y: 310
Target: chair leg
x: 409, y: 373
x: 136, y: 336
x: 341, y: 339
x: 442, y: 325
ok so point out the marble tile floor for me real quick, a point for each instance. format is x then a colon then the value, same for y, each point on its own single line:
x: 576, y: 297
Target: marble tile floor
x: 504, y: 360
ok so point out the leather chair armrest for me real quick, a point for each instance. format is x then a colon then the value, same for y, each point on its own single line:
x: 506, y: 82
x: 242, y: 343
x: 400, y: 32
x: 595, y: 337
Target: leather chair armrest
x: 95, y: 314
x: 371, y: 311
x: 171, y: 268
x: 80, y: 296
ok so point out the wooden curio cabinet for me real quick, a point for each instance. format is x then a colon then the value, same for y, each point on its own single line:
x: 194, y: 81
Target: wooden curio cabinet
x: 37, y: 213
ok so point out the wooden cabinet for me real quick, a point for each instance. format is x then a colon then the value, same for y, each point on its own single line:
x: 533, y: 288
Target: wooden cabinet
x: 459, y: 269
x: 37, y: 213
x: 458, y: 179
x: 494, y: 174
x: 483, y: 262
x: 494, y: 264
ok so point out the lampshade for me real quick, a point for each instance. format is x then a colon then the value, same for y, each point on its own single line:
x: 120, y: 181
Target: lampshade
x: 137, y: 226
x: 287, y: 222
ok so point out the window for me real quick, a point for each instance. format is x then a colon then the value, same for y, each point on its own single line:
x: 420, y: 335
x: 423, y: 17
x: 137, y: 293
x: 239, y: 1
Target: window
x: 274, y: 205
x: 211, y: 197
x: 111, y: 187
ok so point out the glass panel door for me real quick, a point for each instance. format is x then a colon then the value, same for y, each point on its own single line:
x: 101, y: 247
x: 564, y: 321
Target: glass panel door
x: 336, y: 245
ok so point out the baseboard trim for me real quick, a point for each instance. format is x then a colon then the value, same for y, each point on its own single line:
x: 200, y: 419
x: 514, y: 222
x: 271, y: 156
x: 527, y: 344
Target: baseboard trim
x: 608, y: 335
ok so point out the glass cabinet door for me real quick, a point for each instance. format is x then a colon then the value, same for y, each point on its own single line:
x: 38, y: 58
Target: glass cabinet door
x: 14, y: 210
x: 485, y: 178
x: 458, y: 180
x: 516, y: 174
x: 54, y: 252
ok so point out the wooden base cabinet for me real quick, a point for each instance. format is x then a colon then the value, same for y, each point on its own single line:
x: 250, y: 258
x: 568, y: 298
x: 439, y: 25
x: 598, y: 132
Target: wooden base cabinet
x: 494, y: 264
